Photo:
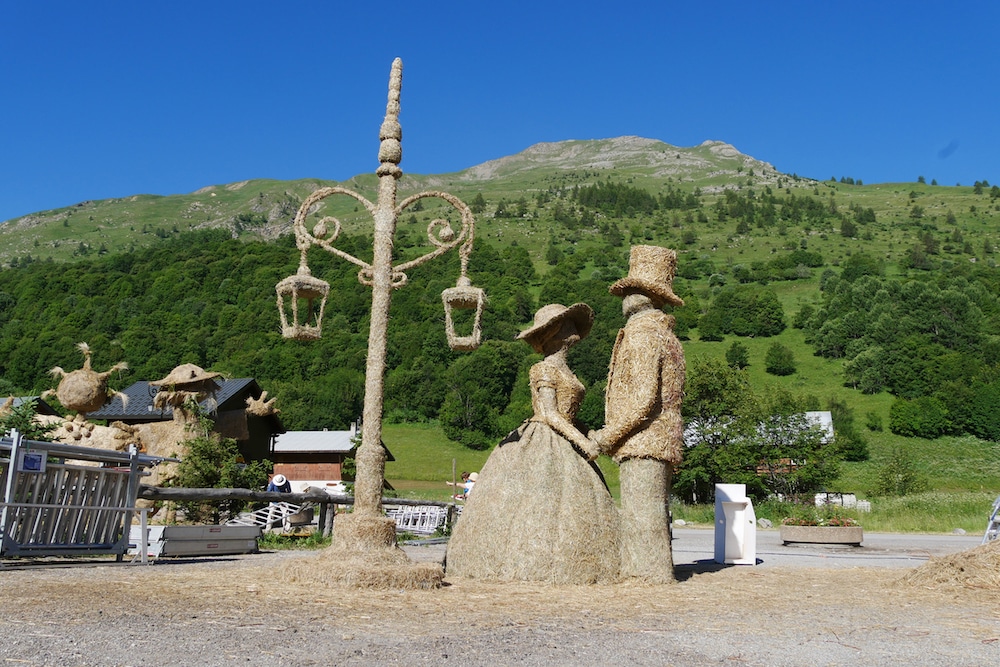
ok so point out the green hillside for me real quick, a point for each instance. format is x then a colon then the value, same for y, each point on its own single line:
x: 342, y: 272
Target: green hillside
x: 162, y: 280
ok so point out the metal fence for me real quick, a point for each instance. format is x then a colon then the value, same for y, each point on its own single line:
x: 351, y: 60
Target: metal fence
x: 54, y: 503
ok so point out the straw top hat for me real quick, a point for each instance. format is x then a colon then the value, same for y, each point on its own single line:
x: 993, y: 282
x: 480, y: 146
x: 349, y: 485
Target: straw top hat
x: 651, y: 272
x: 185, y: 374
x: 279, y: 480
x: 549, y: 318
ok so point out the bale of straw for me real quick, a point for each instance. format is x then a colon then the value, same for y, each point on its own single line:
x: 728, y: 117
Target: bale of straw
x: 645, y: 521
x: 356, y: 532
x: 978, y: 567
x: 539, y: 512
x: 353, y: 569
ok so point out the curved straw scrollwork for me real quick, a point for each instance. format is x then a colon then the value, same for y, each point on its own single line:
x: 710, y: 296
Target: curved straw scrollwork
x: 439, y: 231
x: 322, y: 235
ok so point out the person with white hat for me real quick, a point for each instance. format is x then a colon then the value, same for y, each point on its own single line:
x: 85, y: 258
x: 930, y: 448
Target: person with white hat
x: 470, y: 482
x: 280, y: 484
x: 643, y: 429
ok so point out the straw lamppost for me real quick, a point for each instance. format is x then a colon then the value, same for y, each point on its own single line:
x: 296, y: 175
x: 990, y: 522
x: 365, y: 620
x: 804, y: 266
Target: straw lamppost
x: 304, y: 297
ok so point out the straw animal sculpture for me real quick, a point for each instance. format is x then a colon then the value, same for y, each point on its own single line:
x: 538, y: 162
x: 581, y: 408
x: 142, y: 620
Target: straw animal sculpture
x: 84, y: 390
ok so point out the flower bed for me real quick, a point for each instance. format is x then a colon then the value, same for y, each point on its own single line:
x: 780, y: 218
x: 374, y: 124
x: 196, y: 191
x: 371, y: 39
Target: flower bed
x: 828, y: 529
x: 852, y: 535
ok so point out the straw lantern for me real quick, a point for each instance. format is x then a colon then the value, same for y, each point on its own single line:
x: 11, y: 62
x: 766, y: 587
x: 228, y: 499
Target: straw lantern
x: 463, y: 297
x: 302, y: 289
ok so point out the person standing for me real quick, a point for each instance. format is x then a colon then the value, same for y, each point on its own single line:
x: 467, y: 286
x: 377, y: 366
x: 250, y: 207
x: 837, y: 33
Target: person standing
x: 275, y: 511
x: 644, y: 431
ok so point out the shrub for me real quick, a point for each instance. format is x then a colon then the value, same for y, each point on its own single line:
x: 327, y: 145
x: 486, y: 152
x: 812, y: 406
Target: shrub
x: 897, y: 475
x: 22, y: 418
x: 738, y: 356
x: 873, y: 421
x: 815, y: 519
x: 923, y: 417
x: 779, y: 360
x: 210, y: 462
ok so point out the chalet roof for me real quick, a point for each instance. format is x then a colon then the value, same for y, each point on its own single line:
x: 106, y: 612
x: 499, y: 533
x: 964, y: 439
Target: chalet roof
x: 694, y: 431
x: 41, y: 407
x: 824, y: 420
x: 312, y: 442
x: 231, y: 396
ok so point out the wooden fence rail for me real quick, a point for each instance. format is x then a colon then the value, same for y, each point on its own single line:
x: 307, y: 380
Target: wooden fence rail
x: 326, y: 501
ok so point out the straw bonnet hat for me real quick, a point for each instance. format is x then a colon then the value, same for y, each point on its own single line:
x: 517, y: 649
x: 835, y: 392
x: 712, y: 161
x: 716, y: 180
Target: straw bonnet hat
x: 651, y: 271
x: 549, y: 318
x: 185, y: 374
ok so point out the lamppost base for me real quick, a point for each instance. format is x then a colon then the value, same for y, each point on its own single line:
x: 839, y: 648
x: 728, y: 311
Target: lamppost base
x: 364, y: 534
x: 364, y: 555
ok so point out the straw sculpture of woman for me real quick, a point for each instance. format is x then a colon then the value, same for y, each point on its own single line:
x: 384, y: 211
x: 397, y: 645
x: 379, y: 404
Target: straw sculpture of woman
x: 541, y: 510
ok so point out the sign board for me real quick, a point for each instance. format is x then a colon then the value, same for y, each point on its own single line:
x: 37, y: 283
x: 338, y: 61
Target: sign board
x: 29, y: 461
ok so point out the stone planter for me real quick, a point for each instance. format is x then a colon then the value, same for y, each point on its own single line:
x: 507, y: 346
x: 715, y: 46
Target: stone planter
x: 852, y: 535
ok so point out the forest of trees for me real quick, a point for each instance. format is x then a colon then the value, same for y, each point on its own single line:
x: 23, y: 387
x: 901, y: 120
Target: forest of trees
x: 207, y: 299
x: 930, y: 336
x: 931, y: 342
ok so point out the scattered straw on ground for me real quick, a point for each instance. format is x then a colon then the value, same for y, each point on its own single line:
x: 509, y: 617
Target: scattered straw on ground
x: 384, y: 569
x: 252, y: 587
x: 977, y: 568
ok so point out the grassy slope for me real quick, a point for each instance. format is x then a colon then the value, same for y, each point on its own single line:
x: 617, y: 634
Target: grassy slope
x: 424, y: 458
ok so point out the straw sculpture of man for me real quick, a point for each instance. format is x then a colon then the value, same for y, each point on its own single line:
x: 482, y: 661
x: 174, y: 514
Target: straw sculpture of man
x: 541, y: 510
x: 644, y: 430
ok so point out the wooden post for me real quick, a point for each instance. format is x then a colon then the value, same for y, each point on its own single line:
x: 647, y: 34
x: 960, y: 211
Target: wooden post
x: 327, y: 517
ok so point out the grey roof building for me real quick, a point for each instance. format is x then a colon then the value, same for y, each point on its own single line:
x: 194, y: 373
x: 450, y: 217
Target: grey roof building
x: 41, y: 407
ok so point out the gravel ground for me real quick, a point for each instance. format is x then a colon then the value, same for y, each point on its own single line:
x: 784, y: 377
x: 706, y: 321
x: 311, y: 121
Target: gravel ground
x: 237, y: 610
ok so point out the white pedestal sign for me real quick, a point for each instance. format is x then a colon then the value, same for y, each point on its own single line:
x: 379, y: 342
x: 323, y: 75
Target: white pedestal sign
x: 735, y: 526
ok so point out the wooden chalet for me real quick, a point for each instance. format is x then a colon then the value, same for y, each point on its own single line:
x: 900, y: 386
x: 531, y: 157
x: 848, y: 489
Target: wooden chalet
x: 254, y: 435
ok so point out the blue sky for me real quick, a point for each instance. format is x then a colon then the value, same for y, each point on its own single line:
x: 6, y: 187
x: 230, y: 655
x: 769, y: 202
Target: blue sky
x: 109, y: 99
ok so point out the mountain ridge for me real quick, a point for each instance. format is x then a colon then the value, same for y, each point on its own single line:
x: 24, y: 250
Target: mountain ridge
x: 265, y: 207
x: 628, y: 151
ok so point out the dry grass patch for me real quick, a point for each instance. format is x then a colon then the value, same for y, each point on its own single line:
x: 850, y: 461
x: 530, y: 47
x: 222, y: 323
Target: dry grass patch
x: 253, y: 590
